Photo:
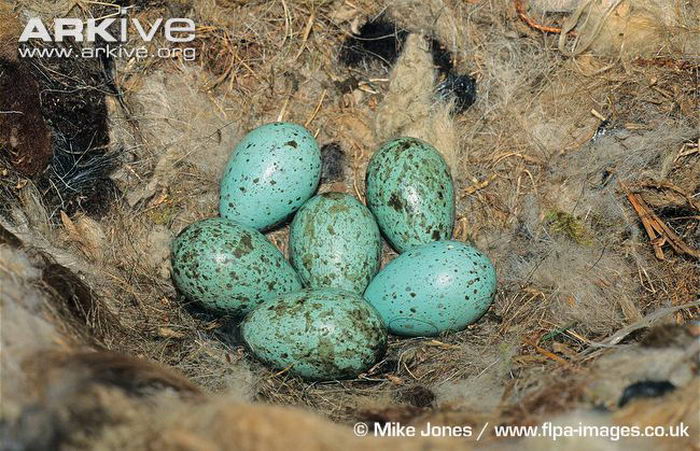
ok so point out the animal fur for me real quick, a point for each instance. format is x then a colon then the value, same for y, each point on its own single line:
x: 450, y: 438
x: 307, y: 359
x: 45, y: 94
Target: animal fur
x: 408, y: 109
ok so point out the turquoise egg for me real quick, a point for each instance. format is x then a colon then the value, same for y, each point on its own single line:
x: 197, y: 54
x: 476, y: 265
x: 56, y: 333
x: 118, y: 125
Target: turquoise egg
x: 334, y: 242
x: 319, y: 335
x: 228, y: 267
x: 430, y: 289
x: 271, y: 173
x: 410, y: 191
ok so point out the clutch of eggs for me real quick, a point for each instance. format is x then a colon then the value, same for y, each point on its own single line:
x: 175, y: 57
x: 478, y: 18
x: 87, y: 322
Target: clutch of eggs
x: 326, y: 315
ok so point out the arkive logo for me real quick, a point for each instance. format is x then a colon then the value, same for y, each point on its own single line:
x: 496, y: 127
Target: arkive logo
x: 174, y: 30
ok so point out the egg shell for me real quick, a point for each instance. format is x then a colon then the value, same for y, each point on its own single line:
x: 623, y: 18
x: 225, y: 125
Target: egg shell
x: 319, y: 335
x: 334, y: 242
x: 410, y: 192
x: 271, y: 173
x: 437, y: 287
x: 229, y: 267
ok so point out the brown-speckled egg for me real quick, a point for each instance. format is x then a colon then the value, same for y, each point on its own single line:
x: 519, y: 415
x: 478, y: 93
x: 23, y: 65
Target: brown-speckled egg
x: 410, y: 192
x: 319, y: 335
x: 229, y: 267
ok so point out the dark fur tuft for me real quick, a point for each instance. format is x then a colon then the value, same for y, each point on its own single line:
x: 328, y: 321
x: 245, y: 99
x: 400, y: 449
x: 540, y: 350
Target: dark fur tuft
x: 332, y: 162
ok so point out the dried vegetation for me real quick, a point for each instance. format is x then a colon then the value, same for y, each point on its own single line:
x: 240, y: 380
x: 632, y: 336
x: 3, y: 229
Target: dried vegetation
x: 579, y: 176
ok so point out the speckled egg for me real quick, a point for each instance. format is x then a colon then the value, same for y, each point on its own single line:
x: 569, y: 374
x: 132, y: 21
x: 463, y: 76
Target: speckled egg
x: 334, y: 242
x: 433, y: 288
x: 319, y: 335
x: 271, y: 173
x: 228, y: 267
x: 409, y: 190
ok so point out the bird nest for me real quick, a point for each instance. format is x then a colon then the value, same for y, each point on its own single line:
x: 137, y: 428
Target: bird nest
x: 576, y: 171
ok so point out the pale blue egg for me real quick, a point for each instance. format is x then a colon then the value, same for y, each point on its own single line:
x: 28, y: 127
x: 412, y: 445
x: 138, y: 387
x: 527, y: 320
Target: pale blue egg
x: 271, y: 173
x: 440, y: 286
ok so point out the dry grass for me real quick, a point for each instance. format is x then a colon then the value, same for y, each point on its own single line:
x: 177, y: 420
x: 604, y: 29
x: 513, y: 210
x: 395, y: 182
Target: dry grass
x: 525, y: 150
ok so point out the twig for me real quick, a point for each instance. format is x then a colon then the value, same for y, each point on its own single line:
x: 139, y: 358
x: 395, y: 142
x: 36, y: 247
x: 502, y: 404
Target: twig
x: 281, y: 372
x: 548, y: 354
x: 552, y: 356
x: 356, y: 187
x: 648, y: 321
x: 520, y: 8
x: 318, y: 108
x: 283, y: 111
x: 441, y: 345
x: 675, y: 189
x: 598, y: 115
x: 673, y: 239
x: 659, y: 233
x: 287, y: 23
x: 644, y: 217
x: 409, y: 371
x: 687, y: 150
x: 478, y: 186
x: 305, y: 36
